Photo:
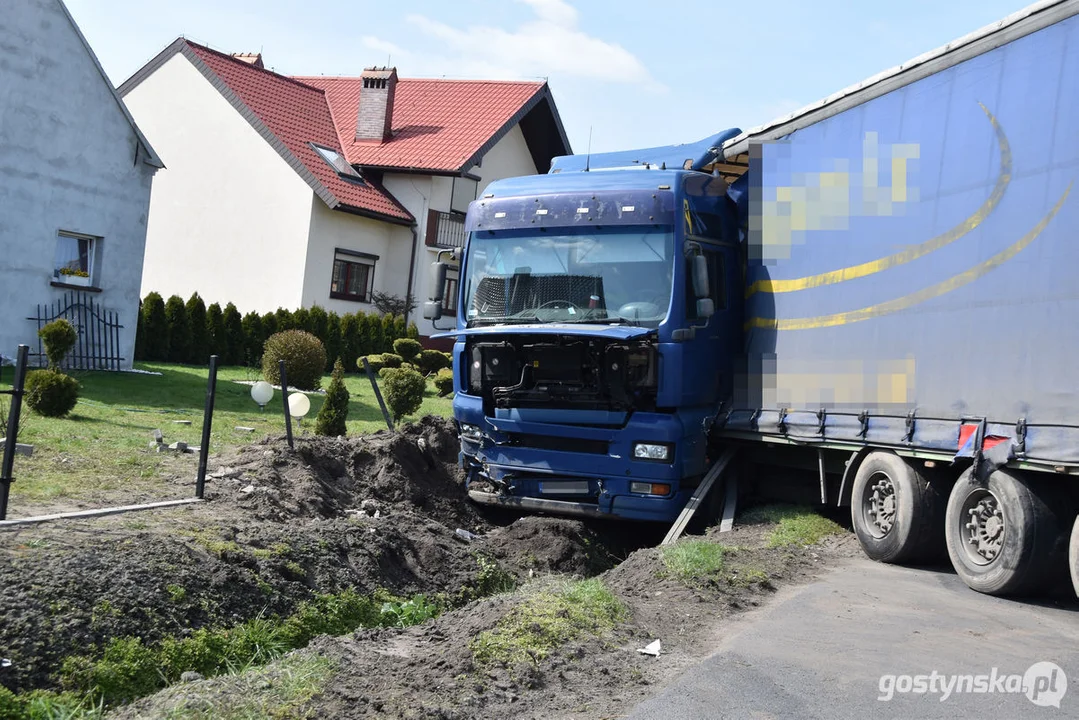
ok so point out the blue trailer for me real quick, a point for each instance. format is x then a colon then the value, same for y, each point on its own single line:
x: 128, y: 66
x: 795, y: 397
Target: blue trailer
x: 878, y: 288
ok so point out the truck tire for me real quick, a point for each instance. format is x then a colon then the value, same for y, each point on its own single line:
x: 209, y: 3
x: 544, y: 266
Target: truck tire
x: 896, y: 512
x: 1003, y: 536
x: 1073, y: 556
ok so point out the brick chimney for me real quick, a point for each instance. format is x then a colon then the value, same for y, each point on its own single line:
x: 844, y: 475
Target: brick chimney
x: 251, y: 58
x: 374, y: 120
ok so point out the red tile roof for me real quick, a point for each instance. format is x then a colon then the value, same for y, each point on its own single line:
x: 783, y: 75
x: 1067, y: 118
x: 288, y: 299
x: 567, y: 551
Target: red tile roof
x: 298, y: 114
x: 438, y: 125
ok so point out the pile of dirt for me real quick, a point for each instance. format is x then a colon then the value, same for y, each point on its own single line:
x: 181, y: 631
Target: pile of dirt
x: 428, y: 671
x: 549, y: 545
x: 281, y: 526
x: 414, y: 469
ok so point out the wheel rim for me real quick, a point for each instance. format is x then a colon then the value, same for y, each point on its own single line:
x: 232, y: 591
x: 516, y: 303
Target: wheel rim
x: 982, y: 527
x: 879, y: 505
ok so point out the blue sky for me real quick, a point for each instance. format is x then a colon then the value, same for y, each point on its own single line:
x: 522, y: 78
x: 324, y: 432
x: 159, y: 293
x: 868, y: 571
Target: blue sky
x: 632, y: 73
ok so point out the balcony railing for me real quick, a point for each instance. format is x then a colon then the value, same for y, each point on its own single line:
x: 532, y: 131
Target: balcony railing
x: 445, y: 230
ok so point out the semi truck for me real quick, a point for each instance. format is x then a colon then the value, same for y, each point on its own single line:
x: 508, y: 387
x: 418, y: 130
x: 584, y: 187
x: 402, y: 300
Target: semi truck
x: 877, y: 292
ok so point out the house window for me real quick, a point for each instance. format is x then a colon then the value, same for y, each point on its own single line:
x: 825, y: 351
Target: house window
x: 353, y: 275
x: 74, y: 261
x: 449, y: 297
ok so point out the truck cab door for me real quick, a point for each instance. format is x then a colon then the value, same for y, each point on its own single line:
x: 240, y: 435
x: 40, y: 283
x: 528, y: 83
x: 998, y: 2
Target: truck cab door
x: 709, y: 354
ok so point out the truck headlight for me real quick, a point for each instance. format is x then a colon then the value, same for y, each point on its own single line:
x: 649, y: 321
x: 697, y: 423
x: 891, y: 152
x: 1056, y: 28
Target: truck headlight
x: 660, y: 452
x: 471, y: 432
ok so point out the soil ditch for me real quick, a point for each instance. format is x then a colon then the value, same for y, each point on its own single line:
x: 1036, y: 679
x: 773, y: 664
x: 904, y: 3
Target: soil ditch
x: 280, y: 527
x: 384, y: 512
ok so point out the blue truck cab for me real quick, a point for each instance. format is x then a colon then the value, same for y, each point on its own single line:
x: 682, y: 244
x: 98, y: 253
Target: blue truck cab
x: 599, y: 318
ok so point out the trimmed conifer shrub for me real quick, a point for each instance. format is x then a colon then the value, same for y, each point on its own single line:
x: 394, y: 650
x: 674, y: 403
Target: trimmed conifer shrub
x: 407, y: 348
x: 234, y: 336
x: 251, y: 324
x: 334, y: 411
x: 58, y: 337
x: 215, y: 332
x: 156, y: 328
x: 51, y: 393
x: 179, y: 329
x: 404, y: 390
x: 196, y: 321
x: 444, y: 382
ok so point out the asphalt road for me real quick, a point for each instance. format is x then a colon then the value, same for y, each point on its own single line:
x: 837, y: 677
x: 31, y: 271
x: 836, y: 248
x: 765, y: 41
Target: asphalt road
x: 820, y: 651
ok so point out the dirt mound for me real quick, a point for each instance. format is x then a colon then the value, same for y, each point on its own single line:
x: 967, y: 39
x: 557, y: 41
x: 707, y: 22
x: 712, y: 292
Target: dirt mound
x: 415, y: 469
x: 281, y: 526
x: 428, y: 671
x: 548, y: 545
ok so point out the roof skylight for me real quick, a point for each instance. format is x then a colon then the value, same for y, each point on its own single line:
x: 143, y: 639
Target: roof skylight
x: 338, y: 162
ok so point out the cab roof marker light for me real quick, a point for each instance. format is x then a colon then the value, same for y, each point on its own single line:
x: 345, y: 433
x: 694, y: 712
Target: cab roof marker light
x: 541, y: 211
x: 489, y: 195
x: 582, y: 210
x: 628, y: 208
x: 664, y: 187
x: 500, y: 215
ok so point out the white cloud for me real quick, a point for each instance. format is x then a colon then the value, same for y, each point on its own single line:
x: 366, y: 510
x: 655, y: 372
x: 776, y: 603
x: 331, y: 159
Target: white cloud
x: 550, y: 43
x: 383, y: 46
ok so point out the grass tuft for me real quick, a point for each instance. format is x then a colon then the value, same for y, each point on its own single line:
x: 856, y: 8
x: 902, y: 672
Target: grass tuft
x: 279, y: 691
x: 695, y: 560
x: 796, y: 525
x: 548, y: 619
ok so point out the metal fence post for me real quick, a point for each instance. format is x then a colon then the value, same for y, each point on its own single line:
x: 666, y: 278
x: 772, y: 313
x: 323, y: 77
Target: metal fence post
x: 207, y: 422
x: 378, y: 395
x: 17, y: 389
x: 284, y: 397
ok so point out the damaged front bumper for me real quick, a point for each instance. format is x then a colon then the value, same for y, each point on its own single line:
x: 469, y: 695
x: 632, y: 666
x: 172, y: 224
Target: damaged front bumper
x: 573, y: 468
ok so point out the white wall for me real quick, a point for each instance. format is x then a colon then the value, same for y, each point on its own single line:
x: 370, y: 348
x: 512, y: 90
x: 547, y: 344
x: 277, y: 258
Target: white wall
x: 67, y: 162
x: 229, y: 217
x: 335, y: 229
x: 508, y: 158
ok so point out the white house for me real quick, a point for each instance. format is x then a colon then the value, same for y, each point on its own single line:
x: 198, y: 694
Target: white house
x: 300, y: 191
x: 75, y: 176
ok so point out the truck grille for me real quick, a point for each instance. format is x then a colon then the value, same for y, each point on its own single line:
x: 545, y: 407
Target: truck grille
x: 561, y: 444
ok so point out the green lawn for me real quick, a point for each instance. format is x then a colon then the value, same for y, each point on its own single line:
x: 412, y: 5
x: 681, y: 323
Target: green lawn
x: 103, y: 445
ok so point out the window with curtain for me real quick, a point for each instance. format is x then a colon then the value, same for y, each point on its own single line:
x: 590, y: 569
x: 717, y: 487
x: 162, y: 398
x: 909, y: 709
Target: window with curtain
x: 353, y: 275
x: 74, y: 257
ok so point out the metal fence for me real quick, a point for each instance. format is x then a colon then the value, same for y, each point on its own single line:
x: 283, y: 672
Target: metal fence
x: 98, y: 346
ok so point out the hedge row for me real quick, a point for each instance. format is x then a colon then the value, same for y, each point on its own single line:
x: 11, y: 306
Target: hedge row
x: 175, y: 331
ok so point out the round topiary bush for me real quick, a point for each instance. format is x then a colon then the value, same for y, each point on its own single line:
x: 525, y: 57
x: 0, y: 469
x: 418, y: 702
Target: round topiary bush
x: 304, y: 356
x: 404, y: 390
x: 407, y: 348
x: 444, y: 382
x: 380, y: 361
x: 431, y: 361
x: 51, y: 393
x: 59, y: 337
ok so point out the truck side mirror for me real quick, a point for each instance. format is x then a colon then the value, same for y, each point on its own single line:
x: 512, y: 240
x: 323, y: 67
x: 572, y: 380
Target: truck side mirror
x: 432, y: 310
x: 438, y: 281
x: 706, y: 308
x: 699, y: 268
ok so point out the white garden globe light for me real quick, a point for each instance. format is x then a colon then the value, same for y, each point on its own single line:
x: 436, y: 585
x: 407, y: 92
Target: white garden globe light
x: 298, y: 405
x: 262, y: 393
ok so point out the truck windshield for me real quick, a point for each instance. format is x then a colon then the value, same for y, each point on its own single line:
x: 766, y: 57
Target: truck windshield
x: 621, y: 274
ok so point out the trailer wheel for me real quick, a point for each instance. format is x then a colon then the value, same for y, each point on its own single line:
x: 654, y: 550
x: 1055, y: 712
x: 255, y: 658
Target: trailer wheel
x: 896, y: 513
x: 1073, y: 556
x: 1003, y: 536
